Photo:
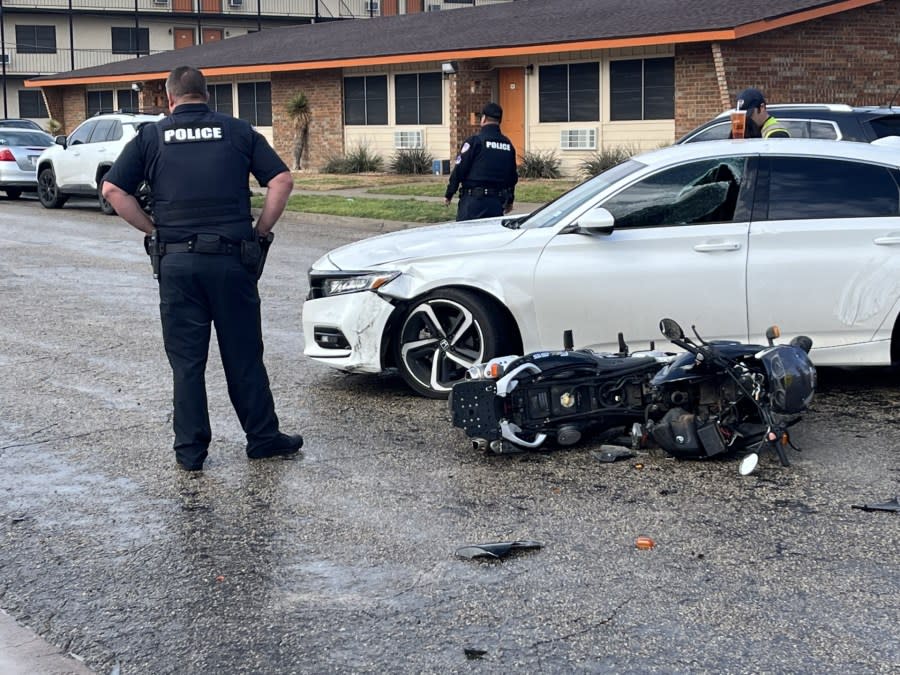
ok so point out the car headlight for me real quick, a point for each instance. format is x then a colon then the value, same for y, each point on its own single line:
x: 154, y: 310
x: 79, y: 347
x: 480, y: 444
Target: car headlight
x: 322, y: 285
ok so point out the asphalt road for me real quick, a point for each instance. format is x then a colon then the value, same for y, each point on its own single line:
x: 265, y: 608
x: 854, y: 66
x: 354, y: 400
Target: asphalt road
x: 343, y: 560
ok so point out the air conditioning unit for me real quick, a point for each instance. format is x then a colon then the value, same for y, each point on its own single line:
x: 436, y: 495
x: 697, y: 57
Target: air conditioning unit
x: 4, y: 58
x: 371, y: 6
x: 160, y: 2
x: 578, y: 139
x: 409, y: 140
x: 236, y: 3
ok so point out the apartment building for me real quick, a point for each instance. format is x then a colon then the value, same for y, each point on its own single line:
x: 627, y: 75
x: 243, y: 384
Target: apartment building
x: 41, y: 37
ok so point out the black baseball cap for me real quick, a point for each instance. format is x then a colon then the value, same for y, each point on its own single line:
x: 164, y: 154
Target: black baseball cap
x: 749, y: 99
x: 492, y: 110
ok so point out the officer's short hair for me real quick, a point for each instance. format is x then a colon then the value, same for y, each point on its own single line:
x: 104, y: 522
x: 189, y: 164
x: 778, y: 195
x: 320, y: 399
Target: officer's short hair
x: 186, y: 81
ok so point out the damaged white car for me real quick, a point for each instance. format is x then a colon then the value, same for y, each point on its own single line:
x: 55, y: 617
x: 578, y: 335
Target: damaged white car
x: 733, y: 236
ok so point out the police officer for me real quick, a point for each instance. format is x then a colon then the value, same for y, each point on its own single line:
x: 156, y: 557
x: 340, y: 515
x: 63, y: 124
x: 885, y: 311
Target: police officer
x: 760, y: 124
x: 485, y: 171
x: 198, y: 164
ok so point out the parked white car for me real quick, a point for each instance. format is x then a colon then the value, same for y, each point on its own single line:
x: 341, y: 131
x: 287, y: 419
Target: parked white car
x: 76, y: 164
x: 732, y: 236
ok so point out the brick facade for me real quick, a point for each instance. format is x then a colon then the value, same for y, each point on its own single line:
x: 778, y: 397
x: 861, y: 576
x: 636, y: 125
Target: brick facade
x: 323, y: 89
x: 470, y: 88
x: 852, y: 57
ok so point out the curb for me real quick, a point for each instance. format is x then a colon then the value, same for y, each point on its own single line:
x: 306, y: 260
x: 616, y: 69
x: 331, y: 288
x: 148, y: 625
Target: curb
x: 24, y: 651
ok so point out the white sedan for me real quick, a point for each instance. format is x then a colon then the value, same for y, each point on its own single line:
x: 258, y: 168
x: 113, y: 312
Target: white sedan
x: 731, y: 236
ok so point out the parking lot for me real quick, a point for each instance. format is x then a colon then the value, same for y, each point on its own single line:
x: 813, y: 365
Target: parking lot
x: 343, y: 560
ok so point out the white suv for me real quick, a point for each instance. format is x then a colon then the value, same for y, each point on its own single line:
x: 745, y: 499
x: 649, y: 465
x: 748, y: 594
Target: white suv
x: 76, y: 164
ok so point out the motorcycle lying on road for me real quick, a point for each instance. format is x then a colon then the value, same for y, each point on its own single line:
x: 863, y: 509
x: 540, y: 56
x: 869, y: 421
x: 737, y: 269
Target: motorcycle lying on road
x: 713, y: 399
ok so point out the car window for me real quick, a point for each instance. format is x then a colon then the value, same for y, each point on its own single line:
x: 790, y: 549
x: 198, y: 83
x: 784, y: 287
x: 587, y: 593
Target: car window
x: 698, y: 192
x: 886, y: 126
x: 103, y: 130
x: 716, y: 132
x: 801, y: 128
x: 24, y: 137
x: 807, y: 187
x: 550, y: 214
x: 82, y: 133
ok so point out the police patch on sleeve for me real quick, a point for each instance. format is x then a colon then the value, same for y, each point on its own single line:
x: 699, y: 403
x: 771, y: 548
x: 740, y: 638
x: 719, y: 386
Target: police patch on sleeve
x: 465, y: 147
x: 197, y: 132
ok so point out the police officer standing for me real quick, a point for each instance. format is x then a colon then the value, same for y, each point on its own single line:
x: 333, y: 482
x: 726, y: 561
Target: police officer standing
x: 760, y: 124
x: 198, y: 163
x: 485, y: 171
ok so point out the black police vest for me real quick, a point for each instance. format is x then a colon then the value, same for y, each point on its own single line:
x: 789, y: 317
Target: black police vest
x: 495, y: 165
x: 200, y: 177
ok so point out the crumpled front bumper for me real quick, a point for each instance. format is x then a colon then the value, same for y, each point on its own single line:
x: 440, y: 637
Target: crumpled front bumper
x: 360, y: 318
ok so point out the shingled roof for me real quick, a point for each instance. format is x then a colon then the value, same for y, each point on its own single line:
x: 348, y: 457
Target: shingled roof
x: 522, y: 27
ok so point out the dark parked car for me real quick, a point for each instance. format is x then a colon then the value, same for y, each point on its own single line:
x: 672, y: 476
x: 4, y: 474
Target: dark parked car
x: 830, y: 121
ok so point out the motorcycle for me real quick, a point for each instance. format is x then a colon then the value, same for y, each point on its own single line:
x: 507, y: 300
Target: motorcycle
x: 514, y: 403
x: 713, y: 399
x: 722, y: 396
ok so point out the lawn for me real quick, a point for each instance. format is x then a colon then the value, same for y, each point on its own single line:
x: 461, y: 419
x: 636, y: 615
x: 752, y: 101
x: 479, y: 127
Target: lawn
x: 404, y: 210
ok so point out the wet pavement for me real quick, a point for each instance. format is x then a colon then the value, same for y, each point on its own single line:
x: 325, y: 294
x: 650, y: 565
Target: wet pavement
x: 343, y: 560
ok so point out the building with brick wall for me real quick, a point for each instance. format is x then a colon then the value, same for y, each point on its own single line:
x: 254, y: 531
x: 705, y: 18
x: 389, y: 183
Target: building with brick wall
x: 574, y: 81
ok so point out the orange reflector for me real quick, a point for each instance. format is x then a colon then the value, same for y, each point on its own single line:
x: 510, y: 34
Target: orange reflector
x: 494, y: 370
x: 785, y: 439
x: 777, y: 331
x: 644, y: 543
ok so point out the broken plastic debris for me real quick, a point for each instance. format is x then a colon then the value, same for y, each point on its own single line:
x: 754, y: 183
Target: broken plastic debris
x: 495, y: 549
x: 644, y: 543
x: 611, y: 453
x: 891, y: 505
x: 474, y: 654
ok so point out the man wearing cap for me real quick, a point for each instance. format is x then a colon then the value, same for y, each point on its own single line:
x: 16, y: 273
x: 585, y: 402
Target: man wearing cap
x: 760, y: 124
x: 485, y: 171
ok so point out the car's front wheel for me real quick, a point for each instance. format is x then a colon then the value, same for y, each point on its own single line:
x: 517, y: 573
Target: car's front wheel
x: 48, y: 190
x: 440, y: 337
x: 105, y: 206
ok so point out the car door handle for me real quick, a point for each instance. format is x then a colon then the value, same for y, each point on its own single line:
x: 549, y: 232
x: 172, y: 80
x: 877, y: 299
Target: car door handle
x: 887, y: 241
x: 721, y: 246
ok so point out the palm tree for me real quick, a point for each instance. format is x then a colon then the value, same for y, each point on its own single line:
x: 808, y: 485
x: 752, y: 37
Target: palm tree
x: 298, y: 110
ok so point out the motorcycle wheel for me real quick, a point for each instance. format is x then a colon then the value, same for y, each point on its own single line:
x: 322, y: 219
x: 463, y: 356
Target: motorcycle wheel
x: 440, y: 336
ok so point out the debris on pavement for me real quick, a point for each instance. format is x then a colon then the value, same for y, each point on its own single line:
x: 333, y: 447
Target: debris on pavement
x: 890, y: 505
x: 612, y: 453
x: 496, y: 549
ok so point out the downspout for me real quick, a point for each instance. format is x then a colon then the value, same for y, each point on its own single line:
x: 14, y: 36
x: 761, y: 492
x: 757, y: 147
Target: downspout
x: 719, y: 63
x: 3, y: 58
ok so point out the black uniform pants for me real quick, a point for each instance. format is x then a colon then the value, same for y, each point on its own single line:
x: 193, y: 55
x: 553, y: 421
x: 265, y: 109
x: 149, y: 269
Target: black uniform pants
x: 471, y: 207
x: 195, y: 291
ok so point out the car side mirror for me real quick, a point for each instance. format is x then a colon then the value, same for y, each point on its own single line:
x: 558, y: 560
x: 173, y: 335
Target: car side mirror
x: 60, y: 140
x: 596, y: 221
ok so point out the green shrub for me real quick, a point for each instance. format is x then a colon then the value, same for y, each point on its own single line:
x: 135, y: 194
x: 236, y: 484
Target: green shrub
x: 607, y: 158
x: 359, y: 159
x: 540, y: 164
x: 412, y: 161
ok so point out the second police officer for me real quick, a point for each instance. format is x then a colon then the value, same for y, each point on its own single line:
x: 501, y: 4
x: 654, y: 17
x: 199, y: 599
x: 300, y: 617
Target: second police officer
x: 485, y: 171
x: 198, y: 164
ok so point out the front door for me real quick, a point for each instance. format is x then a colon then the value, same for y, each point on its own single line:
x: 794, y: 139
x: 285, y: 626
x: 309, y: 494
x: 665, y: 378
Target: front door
x: 184, y: 37
x: 212, y: 35
x: 512, y: 99
x: 182, y: 5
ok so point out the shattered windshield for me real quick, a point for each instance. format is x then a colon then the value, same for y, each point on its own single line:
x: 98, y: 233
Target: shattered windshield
x: 551, y: 213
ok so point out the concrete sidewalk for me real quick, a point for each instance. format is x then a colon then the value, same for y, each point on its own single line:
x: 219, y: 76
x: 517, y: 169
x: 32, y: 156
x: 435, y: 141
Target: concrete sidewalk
x: 23, y: 652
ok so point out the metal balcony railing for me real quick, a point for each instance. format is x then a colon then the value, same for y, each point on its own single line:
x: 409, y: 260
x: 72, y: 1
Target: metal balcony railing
x: 48, y: 64
x: 311, y: 9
